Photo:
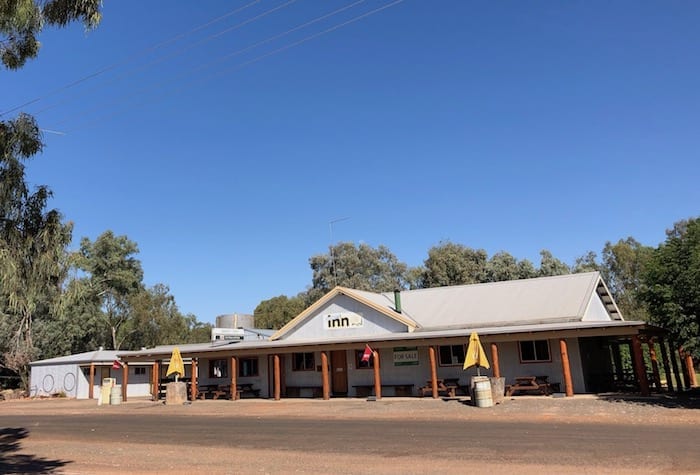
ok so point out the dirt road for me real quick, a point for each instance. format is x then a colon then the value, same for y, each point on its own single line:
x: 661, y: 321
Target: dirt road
x: 578, y: 435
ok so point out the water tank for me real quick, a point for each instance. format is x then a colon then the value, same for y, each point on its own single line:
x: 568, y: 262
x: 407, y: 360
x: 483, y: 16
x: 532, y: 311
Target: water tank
x: 235, y: 320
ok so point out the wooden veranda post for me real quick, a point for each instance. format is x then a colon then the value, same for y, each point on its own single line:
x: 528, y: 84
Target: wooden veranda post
x: 234, y: 380
x: 193, y: 383
x: 125, y: 380
x: 324, y: 376
x: 433, y: 371
x: 676, y: 371
x: 494, y: 361
x: 156, y: 379
x: 91, y: 389
x: 566, y: 368
x: 377, y: 377
x: 276, y: 364
x: 667, y: 367
x: 639, y: 366
x: 654, y: 363
x: 691, y: 369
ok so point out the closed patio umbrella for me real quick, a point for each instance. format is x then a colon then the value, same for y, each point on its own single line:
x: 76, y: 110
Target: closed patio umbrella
x: 476, y: 356
x: 176, y: 365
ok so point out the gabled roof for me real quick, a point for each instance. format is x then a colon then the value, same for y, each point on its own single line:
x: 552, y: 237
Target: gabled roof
x: 556, y: 299
x: 97, y: 356
x: 564, y: 298
x: 375, y: 301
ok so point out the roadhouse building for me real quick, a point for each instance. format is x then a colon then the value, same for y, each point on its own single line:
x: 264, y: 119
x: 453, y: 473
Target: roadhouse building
x: 562, y: 333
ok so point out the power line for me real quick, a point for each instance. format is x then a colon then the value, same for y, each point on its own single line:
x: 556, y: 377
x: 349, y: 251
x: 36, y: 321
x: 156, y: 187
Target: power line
x: 130, y: 58
x: 154, y: 62
x: 257, y: 59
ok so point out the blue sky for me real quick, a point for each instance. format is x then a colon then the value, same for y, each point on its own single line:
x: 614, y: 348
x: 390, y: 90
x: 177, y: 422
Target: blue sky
x: 515, y: 126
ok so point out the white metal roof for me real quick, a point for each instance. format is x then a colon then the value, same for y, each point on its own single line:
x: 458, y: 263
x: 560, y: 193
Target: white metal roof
x: 97, y: 356
x: 527, y: 301
x: 617, y: 327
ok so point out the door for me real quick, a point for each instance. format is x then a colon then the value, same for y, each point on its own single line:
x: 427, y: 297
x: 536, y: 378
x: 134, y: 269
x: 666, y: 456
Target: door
x: 339, y: 372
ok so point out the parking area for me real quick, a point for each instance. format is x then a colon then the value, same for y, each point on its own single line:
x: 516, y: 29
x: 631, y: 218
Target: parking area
x: 584, y: 434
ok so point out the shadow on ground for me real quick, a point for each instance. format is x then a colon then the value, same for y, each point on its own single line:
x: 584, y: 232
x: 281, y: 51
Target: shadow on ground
x: 13, y: 462
x: 685, y: 400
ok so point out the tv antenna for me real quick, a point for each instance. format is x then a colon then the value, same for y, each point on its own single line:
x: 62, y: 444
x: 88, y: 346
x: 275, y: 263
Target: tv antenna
x: 330, y: 227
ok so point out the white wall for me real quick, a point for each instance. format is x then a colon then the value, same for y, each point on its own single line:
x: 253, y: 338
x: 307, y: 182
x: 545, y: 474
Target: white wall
x: 374, y: 323
x: 50, y: 380
x: 70, y: 379
x: 596, y: 310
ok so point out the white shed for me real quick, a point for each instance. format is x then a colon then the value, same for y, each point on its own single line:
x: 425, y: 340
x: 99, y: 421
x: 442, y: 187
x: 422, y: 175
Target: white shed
x: 70, y: 375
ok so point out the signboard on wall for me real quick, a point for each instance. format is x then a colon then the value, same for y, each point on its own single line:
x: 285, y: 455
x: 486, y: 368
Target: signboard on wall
x: 406, y: 356
x: 342, y: 321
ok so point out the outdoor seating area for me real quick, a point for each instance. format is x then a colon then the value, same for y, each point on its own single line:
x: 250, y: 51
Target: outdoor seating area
x: 445, y: 387
x: 302, y: 391
x: 400, y: 390
x: 532, y: 385
x: 214, y: 391
x: 223, y: 391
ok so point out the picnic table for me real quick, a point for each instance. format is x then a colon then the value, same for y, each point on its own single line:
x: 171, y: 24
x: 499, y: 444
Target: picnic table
x: 450, y: 389
x: 246, y: 389
x: 214, y: 391
x: 531, y: 384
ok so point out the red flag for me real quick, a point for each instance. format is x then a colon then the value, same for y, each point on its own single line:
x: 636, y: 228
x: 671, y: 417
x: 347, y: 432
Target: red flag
x: 116, y: 364
x: 367, y: 354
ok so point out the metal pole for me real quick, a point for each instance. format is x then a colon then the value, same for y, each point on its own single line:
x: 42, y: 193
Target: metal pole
x: 330, y: 227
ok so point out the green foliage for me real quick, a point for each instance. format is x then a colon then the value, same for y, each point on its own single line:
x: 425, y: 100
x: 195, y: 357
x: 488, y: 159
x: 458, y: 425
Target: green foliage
x: 624, y: 264
x: 114, y: 277
x: 587, y: 263
x: 359, y: 267
x: 274, y: 313
x: 503, y: 266
x: 672, y: 285
x: 454, y: 264
x: 32, y: 247
x: 550, y: 265
x: 156, y: 320
x: 22, y: 20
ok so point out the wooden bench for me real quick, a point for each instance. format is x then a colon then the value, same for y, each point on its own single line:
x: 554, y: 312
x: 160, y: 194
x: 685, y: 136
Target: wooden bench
x: 203, y: 392
x: 295, y: 391
x: 246, y: 390
x: 450, y: 390
x: 400, y: 389
x: 531, y: 384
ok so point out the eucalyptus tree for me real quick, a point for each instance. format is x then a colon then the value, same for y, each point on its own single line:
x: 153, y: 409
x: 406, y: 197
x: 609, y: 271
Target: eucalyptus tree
x: 113, y: 277
x: 359, y: 267
x: 275, y: 312
x: 503, y: 266
x: 454, y: 264
x: 550, y: 265
x: 672, y: 284
x: 22, y: 20
x: 33, y: 240
x: 623, y: 267
x: 156, y: 320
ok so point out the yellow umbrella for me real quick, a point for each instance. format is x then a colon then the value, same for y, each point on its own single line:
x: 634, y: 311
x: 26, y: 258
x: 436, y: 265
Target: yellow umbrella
x: 176, y: 365
x: 476, y: 356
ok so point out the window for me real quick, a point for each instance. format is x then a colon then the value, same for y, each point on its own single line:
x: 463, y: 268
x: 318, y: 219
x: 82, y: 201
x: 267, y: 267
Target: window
x: 303, y: 362
x: 247, y: 367
x: 86, y: 371
x: 359, y: 364
x: 452, y: 355
x: 140, y: 370
x: 218, y: 369
x: 534, y: 351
